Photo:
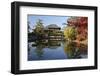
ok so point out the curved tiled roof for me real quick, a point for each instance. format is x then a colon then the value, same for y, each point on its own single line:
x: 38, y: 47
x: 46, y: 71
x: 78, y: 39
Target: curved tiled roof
x: 52, y: 26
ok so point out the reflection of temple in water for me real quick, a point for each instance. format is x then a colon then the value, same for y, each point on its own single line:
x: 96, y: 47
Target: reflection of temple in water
x: 59, y: 49
x: 47, y: 43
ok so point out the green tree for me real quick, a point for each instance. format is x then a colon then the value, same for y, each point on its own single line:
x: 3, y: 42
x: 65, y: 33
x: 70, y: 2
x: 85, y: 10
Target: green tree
x: 70, y: 33
x: 39, y: 29
x: 28, y: 26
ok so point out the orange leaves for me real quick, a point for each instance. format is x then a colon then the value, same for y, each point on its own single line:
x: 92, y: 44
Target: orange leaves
x: 81, y: 23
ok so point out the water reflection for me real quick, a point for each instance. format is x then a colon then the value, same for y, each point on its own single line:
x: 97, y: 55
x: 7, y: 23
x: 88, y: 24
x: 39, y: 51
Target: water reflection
x: 54, y: 49
x: 75, y: 51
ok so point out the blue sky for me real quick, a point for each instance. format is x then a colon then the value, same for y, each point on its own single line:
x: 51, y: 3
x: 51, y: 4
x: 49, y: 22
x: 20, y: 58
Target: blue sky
x: 47, y: 20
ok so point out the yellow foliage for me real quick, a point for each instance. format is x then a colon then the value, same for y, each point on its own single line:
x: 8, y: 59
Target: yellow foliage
x: 70, y: 33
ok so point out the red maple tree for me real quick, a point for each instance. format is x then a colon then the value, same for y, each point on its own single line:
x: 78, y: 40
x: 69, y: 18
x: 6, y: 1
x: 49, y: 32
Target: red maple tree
x: 81, y: 23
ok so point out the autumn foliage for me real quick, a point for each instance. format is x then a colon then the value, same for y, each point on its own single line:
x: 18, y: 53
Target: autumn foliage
x: 81, y: 23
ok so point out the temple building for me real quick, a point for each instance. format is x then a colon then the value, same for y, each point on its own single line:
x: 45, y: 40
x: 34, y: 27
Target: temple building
x: 53, y: 32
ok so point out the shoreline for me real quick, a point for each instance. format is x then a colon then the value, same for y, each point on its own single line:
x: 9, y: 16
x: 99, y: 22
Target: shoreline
x: 85, y: 42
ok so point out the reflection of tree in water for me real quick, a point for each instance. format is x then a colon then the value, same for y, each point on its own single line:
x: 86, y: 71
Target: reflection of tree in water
x: 71, y: 50
x: 41, y: 44
x: 28, y: 47
x: 39, y: 48
x: 39, y: 51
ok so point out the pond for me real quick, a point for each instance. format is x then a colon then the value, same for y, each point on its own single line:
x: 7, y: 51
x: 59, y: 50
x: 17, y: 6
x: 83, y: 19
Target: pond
x: 55, y: 49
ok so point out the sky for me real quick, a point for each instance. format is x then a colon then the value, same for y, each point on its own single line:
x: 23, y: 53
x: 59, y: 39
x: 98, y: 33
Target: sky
x: 47, y: 20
